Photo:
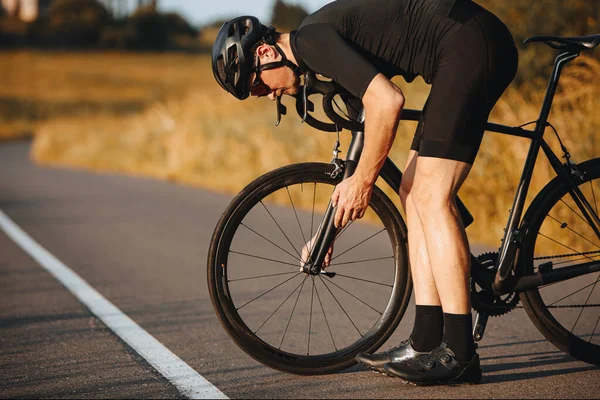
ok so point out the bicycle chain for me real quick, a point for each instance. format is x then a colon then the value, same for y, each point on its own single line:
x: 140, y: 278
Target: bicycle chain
x: 567, y: 255
x: 571, y: 306
x: 586, y: 253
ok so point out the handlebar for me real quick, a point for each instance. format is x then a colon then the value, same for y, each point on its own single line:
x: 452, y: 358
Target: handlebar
x: 329, y: 90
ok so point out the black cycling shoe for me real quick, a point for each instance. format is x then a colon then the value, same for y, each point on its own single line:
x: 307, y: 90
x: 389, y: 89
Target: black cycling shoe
x: 439, y: 366
x: 403, y: 352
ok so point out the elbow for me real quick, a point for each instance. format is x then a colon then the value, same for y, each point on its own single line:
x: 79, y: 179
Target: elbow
x: 394, y: 102
x: 397, y: 102
x: 384, y: 96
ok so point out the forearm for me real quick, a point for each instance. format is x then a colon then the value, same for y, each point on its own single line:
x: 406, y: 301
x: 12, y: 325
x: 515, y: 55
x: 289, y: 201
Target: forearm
x: 380, y: 131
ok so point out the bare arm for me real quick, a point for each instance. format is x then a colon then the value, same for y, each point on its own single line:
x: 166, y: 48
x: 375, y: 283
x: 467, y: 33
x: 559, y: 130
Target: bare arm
x: 383, y: 102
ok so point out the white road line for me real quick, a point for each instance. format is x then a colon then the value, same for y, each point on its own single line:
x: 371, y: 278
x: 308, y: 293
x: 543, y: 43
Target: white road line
x: 182, y: 376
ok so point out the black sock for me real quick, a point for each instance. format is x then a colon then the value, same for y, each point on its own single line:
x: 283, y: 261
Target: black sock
x: 429, y: 328
x: 458, y: 334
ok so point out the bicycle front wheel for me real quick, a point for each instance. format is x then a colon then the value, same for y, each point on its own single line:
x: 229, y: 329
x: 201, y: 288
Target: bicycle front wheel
x: 284, y: 318
x: 567, y: 313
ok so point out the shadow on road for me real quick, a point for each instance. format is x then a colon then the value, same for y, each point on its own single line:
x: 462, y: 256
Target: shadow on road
x: 519, y: 376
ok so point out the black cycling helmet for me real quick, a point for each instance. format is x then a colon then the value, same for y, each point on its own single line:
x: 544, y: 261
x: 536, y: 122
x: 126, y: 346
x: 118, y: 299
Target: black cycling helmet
x: 233, y: 54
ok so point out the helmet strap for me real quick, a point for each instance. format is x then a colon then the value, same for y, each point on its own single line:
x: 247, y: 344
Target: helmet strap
x: 285, y: 62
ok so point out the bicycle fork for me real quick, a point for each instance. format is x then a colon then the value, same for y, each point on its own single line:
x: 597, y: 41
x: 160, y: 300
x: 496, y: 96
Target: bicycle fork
x: 327, y: 230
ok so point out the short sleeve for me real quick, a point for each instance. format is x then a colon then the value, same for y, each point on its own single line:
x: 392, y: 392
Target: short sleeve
x: 326, y: 52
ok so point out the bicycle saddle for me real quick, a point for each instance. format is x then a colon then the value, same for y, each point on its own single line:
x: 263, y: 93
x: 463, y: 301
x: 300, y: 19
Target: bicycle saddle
x: 573, y: 43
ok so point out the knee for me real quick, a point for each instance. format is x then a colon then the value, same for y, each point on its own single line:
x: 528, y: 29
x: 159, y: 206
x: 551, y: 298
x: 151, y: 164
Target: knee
x: 429, y: 200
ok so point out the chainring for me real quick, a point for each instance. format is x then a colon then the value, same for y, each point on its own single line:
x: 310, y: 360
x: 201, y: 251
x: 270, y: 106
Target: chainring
x: 482, y: 299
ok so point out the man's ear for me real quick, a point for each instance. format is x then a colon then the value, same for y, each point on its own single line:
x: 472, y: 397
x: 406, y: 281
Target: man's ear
x: 264, y: 51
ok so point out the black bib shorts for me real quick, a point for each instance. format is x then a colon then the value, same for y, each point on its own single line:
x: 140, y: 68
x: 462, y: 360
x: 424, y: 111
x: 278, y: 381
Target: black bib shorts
x: 476, y: 64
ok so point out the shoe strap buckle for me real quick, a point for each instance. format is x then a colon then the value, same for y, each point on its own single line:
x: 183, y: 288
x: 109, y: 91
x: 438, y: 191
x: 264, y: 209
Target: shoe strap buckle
x: 446, y: 358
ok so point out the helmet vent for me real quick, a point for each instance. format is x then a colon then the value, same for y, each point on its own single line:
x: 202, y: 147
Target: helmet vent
x: 245, y: 29
x: 221, y: 69
x: 232, y: 30
x: 232, y: 56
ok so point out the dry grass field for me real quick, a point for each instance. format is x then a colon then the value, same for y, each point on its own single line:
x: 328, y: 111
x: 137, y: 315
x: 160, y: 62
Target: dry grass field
x: 164, y: 116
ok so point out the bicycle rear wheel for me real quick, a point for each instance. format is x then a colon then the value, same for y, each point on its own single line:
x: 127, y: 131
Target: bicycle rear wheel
x: 284, y: 318
x: 567, y: 313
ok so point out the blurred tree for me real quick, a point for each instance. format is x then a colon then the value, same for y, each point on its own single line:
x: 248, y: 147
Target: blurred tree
x: 76, y: 22
x: 147, y: 29
x: 287, y: 17
x: 544, y: 17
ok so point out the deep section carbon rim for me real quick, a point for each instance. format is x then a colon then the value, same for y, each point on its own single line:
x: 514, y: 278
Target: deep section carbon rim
x: 560, y: 236
x: 295, y: 322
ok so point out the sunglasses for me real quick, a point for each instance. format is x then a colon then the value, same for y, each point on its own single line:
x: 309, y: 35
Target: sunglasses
x: 259, y: 88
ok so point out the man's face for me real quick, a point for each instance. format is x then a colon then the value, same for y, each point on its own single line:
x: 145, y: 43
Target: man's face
x: 273, y: 82
x: 276, y: 82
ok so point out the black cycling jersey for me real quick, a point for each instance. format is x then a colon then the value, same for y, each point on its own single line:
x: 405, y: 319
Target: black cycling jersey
x: 463, y: 50
x: 351, y: 41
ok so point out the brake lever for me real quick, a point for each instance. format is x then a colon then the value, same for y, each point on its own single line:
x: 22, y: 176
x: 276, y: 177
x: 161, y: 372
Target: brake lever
x: 304, y: 100
x: 281, y: 110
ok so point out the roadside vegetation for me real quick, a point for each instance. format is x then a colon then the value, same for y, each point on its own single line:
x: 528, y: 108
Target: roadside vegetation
x: 162, y: 115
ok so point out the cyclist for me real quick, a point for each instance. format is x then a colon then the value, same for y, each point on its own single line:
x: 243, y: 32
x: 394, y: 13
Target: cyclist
x: 469, y: 57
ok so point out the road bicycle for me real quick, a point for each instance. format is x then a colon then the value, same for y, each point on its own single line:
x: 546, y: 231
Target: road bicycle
x: 311, y: 320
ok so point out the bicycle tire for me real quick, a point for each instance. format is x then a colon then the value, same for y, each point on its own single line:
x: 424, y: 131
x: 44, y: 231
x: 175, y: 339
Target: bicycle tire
x: 551, y: 207
x: 222, y: 298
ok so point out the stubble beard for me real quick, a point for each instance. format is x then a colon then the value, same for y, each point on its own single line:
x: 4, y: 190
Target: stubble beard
x: 294, y: 87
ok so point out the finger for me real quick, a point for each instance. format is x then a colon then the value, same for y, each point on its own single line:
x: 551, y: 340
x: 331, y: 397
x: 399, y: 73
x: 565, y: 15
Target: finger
x: 346, y: 217
x: 355, y: 215
x: 303, y: 258
x: 335, y: 197
x: 339, y: 214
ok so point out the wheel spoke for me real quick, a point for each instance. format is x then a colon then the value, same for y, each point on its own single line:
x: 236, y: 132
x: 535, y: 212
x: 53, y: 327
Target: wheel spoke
x: 268, y: 291
x: 260, y: 276
x: 343, y: 309
x: 572, y: 261
x: 564, y: 245
x: 264, y: 258
x: 340, y: 233
x: 325, y: 316
x: 312, y: 216
x: 281, y: 305
x: 358, y: 244
x: 281, y: 229
x: 586, y: 301
x: 569, y: 295
x: 312, y: 296
x: 575, y: 212
x: 594, y: 197
x: 363, y: 280
x: 577, y: 233
x: 295, y: 213
x: 594, y: 331
x: 292, y: 314
x: 274, y: 244
x: 362, y: 261
x: 350, y: 294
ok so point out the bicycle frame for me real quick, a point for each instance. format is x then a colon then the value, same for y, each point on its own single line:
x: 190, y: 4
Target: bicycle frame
x: 505, y: 281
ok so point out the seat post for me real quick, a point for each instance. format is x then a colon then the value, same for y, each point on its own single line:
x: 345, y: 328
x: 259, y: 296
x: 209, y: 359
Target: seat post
x: 562, y: 59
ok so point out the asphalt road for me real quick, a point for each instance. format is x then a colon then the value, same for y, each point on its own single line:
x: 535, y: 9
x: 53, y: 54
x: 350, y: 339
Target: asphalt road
x: 143, y: 245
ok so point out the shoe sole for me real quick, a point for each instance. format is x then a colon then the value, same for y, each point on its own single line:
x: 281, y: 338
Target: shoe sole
x: 440, y: 383
x: 372, y: 368
x: 434, y: 383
